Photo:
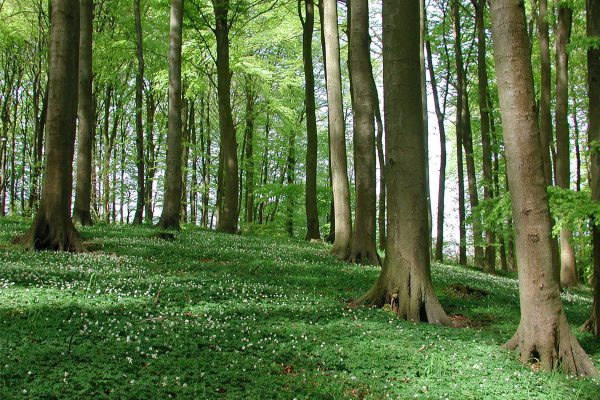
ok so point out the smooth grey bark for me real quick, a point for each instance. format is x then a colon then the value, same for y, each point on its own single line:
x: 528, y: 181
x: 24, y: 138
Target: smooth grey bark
x: 337, y: 139
x: 363, y: 247
x: 440, y: 115
x: 83, y: 192
x: 405, y: 279
x: 171, y: 213
x: 543, y: 333
x: 568, y: 272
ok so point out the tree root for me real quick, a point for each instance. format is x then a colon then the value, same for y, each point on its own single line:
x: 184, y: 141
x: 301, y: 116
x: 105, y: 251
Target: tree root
x: 557, y: 348
x: 43, y: 235
x: 589, y: 326
x: 364, y: 257
x: 421, y: 305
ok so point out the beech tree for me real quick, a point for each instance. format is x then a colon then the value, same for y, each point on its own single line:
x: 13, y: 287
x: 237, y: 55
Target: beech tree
x: 486, y: 141
x: 593, y: 82
x: 308, y: 25
x: 465, y: 139
x: 543, y: 333
x: 405, y: 278
x: 337, y: 137
x: 363, y: 248
x: 52, y: 226
x: 83, y: 194
x: 228, y: 214
x: 139, y: 125
x: 568, y: 273
x: 171, y: 213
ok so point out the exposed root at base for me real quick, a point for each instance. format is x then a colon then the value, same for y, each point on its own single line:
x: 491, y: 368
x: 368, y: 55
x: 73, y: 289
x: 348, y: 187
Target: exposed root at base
x: 565, y: 351
x: 364, y: 257
x: 590, y: 326
x: 43, y: 236
x: 425, y: 308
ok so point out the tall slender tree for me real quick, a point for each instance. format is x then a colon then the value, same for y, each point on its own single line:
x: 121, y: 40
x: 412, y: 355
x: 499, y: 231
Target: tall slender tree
x: 249, y: 149
x: 439, y: 245
x: 568, y: 273
x: 83, y: 193
x: 52, y: 226
x: 593, y: 81
x: 139, y: 127
x: 486, y: 141
x: 308, y: 26
x: 545, y: 116
x: 171, y: 213
x: 543, y: 333
x: 405, y: 279
x: 363, y: 248
x: 466, y: 135
x: 337, y: 137
x: 228, y: 214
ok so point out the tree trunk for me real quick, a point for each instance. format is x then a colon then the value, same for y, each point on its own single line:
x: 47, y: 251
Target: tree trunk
x: 363, y: 248
x: 545, y: 117
x: 568, y: 272
x: 486, y: 142
x: 52, y: 226
x: 193, y: 192
x: 439, y: 245
x: 139, y: 128
x: 422, y: 62
x: 291, y: 176
x: 206, y: 156
x: 543, y: 333
x: 405, y: 280
x: 337, y: 142
x: 83, y: 194
x: 577, y: 147
x: 308, y: 24
x: 150, y: 155
x: 593, y: 67
x: 109, y: 141
x: 228, y: 214
x: 171, y: 212
x: 381, y: 160
x: 464, y: 119
x: 249, y: 150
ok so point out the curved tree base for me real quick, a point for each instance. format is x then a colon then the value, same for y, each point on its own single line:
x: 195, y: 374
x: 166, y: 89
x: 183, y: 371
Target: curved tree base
x: 364, y: 255
x: 83, y: 217
x: 340, y: 251
x: 169, y: 224
x: 412, y: 301
x: 590, y: 326
x: 312, y: 232
x: 552, y: 349
x: 46, y: 234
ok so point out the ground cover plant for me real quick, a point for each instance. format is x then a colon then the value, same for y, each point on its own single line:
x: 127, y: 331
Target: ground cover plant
x: 210, y: 315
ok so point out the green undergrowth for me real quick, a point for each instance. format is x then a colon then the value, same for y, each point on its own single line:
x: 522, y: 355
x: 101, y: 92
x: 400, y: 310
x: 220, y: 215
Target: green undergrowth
x: 208, y: 315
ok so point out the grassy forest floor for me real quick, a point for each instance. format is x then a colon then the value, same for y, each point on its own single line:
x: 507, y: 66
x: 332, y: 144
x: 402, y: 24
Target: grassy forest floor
x: 216, y: 316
